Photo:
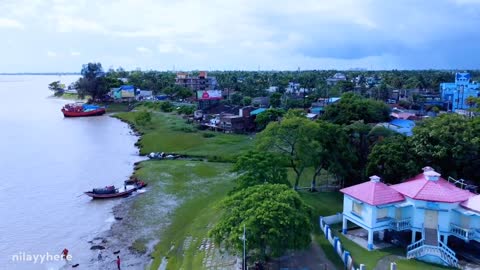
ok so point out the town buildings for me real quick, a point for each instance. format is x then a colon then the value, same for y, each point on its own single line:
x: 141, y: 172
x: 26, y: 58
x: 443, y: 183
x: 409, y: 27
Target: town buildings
x: 336, y: 78
x: 196, y: 83
x: 455, y: 94
x: 428, y: 207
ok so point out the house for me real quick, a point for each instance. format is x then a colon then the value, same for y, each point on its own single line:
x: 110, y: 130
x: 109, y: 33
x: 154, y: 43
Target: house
x: 261, y: 101
x: 336, y: 78
x: 272, y: 89
x: 319, y: 106
x: 232, y: 123
x: 427, y: 207
x: 143, y: 94
x: 124, y: 92
x: 454, y: 95
x: 196, y: 83
x: 402, y: 126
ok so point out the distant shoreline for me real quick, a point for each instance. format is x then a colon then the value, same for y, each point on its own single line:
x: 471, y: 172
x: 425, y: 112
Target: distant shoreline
x: 46, y: 73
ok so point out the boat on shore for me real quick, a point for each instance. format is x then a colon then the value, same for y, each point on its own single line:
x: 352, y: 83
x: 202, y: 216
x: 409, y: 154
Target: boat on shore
x: 112, y: 192
x: 82, y: 110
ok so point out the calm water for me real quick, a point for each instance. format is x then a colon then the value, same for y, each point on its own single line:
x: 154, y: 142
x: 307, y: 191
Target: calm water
x: 46, y: 162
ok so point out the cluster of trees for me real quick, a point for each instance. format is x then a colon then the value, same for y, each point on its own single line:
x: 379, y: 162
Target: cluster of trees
x: 449, y: 143
x: 248, y: 84
x: 57, y: 88
x: 275, y: 217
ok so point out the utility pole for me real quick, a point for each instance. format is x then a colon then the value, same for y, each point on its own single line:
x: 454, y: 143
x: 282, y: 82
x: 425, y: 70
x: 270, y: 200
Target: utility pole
x: 244, y: 239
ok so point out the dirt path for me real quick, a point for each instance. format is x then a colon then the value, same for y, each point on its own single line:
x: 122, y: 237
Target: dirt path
x: 312, y: 258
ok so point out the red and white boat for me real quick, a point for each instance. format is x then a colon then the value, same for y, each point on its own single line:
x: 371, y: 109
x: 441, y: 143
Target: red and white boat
x: 82, y: 110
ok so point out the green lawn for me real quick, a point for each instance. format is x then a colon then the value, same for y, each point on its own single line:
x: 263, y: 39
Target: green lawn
x: 170, y: 133
x: 198, y: 187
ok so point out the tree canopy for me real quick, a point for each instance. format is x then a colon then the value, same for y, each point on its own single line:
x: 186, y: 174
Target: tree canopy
x: 449, y: 143
x: 93, y: 81
x: 275, y: 217
x: 289, y: 138
x: 393, y: 160
x: 352, y: 107
x: 260, y: 168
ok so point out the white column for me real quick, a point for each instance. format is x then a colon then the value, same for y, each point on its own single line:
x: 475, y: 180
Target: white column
x: 445, y: 239
x: 413, y: 236
x: 344, y: 225
x: 370, y: 239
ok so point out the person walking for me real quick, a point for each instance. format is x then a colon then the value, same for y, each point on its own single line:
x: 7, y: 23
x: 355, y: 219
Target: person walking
x: 118, y: 262
x: 65, y: 253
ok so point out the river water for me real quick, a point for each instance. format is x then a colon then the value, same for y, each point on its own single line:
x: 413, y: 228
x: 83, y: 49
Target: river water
x: 46, y: 162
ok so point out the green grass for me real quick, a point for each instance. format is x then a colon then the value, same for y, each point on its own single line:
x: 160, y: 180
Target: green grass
x: 116, y: 107
x: 413, y: 265
x: 198, y: 187
x: 166, y: 133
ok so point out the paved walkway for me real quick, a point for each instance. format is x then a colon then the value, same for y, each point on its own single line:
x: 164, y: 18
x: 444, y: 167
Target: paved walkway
x: 312, y: 258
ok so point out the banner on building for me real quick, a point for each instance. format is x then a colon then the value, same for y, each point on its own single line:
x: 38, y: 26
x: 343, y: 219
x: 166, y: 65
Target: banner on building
x: 209, y: 94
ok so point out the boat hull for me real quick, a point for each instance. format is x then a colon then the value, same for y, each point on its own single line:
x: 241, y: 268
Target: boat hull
x: 114, y: 195
x: 97, y: 112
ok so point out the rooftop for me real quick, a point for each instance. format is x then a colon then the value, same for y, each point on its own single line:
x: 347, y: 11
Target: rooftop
x: 473, y: 203
x: 373, y: 192
x: 429, y: 186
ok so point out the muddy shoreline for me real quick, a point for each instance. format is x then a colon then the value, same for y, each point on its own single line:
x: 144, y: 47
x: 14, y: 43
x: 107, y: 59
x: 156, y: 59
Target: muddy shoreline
x: 120, y: 238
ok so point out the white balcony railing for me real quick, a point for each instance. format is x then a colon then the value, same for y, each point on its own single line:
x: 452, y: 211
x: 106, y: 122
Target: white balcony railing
x: 463, y: 233
x: 400, y: 224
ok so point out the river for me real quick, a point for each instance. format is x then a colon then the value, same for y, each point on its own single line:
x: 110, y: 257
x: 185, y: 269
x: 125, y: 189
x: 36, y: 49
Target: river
x: 47, y: 162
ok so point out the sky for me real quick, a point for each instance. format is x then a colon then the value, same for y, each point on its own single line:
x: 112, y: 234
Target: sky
x: 61, y: 35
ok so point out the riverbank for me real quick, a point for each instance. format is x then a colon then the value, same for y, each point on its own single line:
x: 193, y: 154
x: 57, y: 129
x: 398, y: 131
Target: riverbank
x: 171, y: 220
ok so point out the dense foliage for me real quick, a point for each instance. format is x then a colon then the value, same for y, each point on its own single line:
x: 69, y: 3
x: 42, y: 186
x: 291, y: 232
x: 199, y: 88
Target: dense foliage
x: 93, y: 81
x: 392, y: 160
x: 275, y: 218
x: 257, y: 168
x: 57, y: 88
x: 352, y: 107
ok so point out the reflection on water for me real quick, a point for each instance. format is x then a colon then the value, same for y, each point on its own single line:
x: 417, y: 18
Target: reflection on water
x: 46, y: 163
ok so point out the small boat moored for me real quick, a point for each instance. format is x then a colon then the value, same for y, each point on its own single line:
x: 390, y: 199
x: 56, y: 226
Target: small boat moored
x: 112, y: 192
x: 82, y: 110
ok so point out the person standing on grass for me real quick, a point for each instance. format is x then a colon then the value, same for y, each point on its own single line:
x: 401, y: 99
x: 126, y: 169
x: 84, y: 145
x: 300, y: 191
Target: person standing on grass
x: 118, y: 262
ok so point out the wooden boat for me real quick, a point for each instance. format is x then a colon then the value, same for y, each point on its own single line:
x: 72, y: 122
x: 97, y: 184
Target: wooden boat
x: 82, y: 110
x: 116, y: 194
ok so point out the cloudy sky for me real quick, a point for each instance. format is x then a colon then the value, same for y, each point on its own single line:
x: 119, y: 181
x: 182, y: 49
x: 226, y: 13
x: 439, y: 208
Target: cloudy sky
x: 56, y: 35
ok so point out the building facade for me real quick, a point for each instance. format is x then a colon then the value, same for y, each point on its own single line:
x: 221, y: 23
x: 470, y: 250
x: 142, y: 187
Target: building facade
x: 431, y: 208
x: 454, y: 95
x: 197, y: 83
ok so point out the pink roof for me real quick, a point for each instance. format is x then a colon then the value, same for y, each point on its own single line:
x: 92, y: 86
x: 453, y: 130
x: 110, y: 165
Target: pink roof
x: 373, y: 193
x: 440, y: 190
x: 473, y: 203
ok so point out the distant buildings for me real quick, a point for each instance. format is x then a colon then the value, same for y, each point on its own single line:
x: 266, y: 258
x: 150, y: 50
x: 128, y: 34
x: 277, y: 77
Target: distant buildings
x: 196, y: 83
x: 455, y: 94
x: 336, y: 78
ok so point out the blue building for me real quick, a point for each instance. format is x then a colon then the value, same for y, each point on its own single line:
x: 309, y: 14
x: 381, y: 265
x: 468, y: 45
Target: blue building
x: 454, y: 95
x: 426, y: 206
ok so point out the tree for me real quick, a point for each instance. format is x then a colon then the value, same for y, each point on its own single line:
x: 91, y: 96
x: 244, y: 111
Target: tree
x: 187, y: 110
x: 166, y: 106
x: 257, y: 168
x: 328, y: 149
x: 276, y: 100
x: 393, y: 159
x: 275, y: 218
x: 57, y: 88
x: 268, y: 116
x: 246, y: 101
x: 289, y: 138
x: 450, y: 144
x: 352, y: 107
x: 92, y: 82
x: 236, y: 98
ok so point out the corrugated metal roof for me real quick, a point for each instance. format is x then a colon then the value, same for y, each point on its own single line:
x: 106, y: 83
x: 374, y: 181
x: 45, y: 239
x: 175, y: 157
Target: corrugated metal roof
x: 257, y: 111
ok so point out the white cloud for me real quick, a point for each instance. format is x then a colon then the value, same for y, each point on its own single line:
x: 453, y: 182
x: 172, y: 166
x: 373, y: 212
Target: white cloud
x: 144, y: 50
x: 51, y: 54
x: 75, y: 53
x: 66, y: 24
x: 9, y: 23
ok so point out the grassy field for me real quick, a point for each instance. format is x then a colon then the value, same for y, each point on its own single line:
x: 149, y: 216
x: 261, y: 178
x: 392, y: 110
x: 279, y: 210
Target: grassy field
x: 196, y: 190
x: 170, y: 133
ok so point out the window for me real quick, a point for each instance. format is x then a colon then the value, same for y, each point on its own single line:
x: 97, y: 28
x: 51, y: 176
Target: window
x: 382, y: 213
x: 357, y: 208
